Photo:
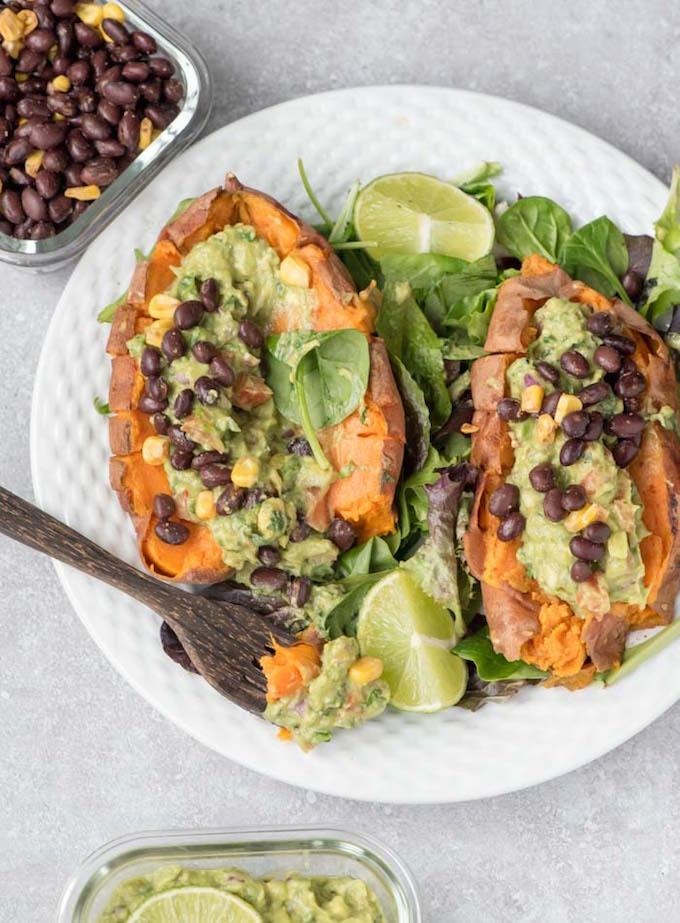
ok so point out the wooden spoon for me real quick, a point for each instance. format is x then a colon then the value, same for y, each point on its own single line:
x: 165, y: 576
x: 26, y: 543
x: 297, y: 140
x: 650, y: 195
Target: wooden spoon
x: 223, y: 640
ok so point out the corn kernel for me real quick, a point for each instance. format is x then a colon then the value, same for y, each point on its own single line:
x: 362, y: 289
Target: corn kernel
x: 294, y: 271
x: 469, y: 428
x: 60, y: 84
x: 545, y: 429
x: 1, y: 185
x: 155, y: 449
x: 20, y: 78
x: 579, y: 519
x: 205, y: 505
x: 532, y: 398
x: 29, y: 20
x: 53, y: 52
x: 11, y: 27
x: 113, y: 11
x: 83, y: 193
x: 58, y: 117
x: 285, y: 734
x: 145, y: 133
x: 33, y: 162
x: 568, y: 403
x: 90, y: 13
x: 162, y: 306
x: 365, y: 670
x: 155, y: 332
x: 245, y: 472
x: 13, y: 49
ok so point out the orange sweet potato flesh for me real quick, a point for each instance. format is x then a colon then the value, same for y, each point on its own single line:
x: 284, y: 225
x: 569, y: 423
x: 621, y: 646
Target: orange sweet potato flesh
x: 374, y: 444
x: 523, y: 621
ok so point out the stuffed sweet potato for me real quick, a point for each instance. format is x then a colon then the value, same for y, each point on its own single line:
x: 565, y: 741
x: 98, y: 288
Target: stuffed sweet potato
x: 575, y: 530
x: 215, y: 480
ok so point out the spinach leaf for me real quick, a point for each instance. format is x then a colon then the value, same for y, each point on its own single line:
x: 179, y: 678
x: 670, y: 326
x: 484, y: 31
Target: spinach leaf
x: 342, y: 618
x: 597, y: 255
x: 409, y: 336
x: 101, y: 406
x: 107, y: 314
x: 371, y: 557
x: 534, y: 225
x: 416, y: 414
x: 421, y: 270
x: 490, y: 665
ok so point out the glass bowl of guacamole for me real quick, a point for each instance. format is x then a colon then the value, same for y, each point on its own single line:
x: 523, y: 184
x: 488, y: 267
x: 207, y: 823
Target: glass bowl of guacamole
x: 270, y: 875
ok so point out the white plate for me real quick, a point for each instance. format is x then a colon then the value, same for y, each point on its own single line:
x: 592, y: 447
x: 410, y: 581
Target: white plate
x: 342, y: 136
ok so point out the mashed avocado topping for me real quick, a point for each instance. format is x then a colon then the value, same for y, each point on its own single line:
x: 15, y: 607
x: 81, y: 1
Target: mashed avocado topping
x: 290, y: 899
x: 331, y: 700
x: 544, y: 549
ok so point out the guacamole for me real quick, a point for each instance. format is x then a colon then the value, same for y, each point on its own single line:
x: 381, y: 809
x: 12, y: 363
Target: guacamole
x: 292, y: 898
x: 544, y: 549
x: 331, y: 700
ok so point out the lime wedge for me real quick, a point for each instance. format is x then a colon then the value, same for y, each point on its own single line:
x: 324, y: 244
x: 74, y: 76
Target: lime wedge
x: 195, y: 905
x: 416, y: 213
x: 413, y: 636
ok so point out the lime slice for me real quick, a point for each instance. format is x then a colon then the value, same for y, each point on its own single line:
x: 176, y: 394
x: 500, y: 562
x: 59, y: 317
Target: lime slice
x: 416, y: 213
x: 195, y: 905
x: 413, y: 636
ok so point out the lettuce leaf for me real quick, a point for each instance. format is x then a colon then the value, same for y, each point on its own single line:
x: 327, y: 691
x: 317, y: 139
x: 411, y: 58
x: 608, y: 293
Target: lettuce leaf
x: 490, y: 666
x: 662, y: 286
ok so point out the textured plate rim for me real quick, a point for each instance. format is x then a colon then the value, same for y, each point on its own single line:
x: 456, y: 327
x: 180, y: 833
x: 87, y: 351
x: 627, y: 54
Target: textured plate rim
x: 63, y: 572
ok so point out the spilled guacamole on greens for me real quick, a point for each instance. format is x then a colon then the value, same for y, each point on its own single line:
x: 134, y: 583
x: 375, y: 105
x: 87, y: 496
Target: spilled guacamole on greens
x: 292, y: 898
x: 544, y: 549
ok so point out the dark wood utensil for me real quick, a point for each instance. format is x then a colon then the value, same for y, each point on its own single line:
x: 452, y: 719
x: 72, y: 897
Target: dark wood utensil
x: 223, y: 640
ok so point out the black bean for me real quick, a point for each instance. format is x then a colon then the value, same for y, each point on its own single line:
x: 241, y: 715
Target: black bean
x: 17, y: 151
x: 164, y: 506
x: 214, y: 475
x: 622, y: 343
x: 574, y: 498
x: 207, y: 390
x: 5, y: 227
x: 342, y: 534
x: 632, y: 282
x: 160, y: 423
x: 552, y: 505
x: 184, y: 403
x: 40, y: 40
x: 10, y: 206
x: 100, y: 171
x: 33, y: 204
x: 148, y: 404
x: 160, y: 115
x: 608, y: 358
x: 581, y: 571
x: 593, y: 394
x: 23, y: 231
x: 211, y: 457
x: 30, y: 107
x: 549, y: 372
x: 597, y: 532
x: 599, y: 323
x: 136, y: 71
x: 78, y: 209
x: 210, y: 295
x: 180, y: 439
x: 624, y: 452
x: 20, y: 177
x: 55, y: 160
x: 9, y: 89
x: 79, y: 147
x: 204, y: 351
x: 542, y: 477
x: 162, y: 67
x: 550, y: 402
x: 65, y: 37
x: 633, y: 404
x: 73, y: 174
x: 188, y: 314
x: 626, y: 425
x: 575, y: 363
x: 511, y: 527
x: 157, y: 388
x: 120, y: 92
x: 299, y: 590
x: 86, y: 99
x: 62, y: 7
x: 150, y: 90
x: 630, y: 384
x: 79, y: 73
x: 116, y: 31
x: 571, y: 451
x: 109, y: 111
x: 60, y: 208
x: 300, y: 532
x: 180, y: 459
x: 575, y: 424
x: 173, y: 344
x: 268, y: 555
x: 299, y: 446
x: 95, y: 127
x: 42, y: 230
x: 86, y: 35
x: 628, y: 365
x: 125, y: 53
x: 43, y: 13
x: 221, y: 371
x: 508, y: 409
x: 47, y: 184
x: 145, y: 42
x: 151, y: 362
x: 6, y: 67
x: 109, y: 147
x: 173, y: 90
x: 29, y: 61
x: 5, y: 130
x: 250, y: 333
x: 128, y: 130
x: 594, y: 428
x: 584, y: 550
x: 504, y: 500
x: 230, y: 500
x: 269, y: 578
x: 172, y: 533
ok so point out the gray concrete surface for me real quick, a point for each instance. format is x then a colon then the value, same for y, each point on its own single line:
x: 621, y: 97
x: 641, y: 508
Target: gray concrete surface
x: 83, y: 759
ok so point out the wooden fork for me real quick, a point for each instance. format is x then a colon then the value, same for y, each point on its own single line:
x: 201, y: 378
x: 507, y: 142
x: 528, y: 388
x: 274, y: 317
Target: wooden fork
x: 223, y: 640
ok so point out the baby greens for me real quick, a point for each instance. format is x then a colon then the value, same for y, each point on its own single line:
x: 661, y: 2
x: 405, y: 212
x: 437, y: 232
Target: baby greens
x: 597, y: 255
x: 534, y: 225
x: 492, y: 666
x: 663, y: 277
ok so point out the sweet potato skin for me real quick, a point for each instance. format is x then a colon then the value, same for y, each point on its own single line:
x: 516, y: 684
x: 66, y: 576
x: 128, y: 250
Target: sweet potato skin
x: 656, y: 470
x: 199, y: 560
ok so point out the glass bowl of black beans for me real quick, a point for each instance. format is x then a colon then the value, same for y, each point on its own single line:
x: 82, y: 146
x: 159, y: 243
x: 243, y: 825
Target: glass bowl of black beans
x: 95, y: 98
